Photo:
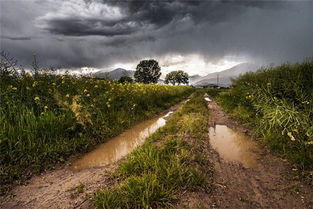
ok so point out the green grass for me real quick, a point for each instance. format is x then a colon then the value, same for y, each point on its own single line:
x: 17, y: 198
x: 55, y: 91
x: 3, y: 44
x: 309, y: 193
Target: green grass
x: 276, y: 103
x: 46, y: 118
x: 170, y: 162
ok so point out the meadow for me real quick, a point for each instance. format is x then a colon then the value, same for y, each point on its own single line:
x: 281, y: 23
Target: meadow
x: 45, y: 117
x: 276, y: 103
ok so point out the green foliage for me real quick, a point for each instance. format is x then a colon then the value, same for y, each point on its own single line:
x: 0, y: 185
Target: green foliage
x: 277, y: 102
x: 147, y: 71
x: 155, y: 176
x: 45, y: 119
x: 125, y: 79
x: 179, y: 77
x: 138, y: 192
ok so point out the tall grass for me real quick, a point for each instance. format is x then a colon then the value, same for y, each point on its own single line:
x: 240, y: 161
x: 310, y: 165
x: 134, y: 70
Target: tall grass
x: 45, y: 117
x: 277, y: 103
x: 155, y: 176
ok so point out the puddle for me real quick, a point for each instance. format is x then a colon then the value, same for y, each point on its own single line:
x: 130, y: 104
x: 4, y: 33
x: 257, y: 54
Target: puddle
x: 233, y: 146
x: 120, y: 146
x: 207, y: 99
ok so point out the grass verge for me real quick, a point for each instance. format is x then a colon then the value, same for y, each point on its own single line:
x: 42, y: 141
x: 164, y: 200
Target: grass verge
x: 170, y: 162
x: 276, y: 103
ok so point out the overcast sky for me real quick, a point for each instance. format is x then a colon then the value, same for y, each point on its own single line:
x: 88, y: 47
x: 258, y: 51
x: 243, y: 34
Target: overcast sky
x: 195, y: 36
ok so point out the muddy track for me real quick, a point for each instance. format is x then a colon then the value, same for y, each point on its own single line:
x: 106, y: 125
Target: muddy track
x: 268, y: 185
x: 57, y: 189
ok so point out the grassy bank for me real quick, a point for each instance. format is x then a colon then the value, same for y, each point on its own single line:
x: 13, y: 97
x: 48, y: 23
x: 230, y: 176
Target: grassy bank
x: 44, y: 118
x: 169, y: 163
x: 277, y: 104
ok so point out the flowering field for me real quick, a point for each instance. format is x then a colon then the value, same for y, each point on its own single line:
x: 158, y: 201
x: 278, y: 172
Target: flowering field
x: 45, y: 118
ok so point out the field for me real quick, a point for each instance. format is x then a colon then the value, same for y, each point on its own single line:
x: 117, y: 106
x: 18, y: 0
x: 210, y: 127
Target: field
x: 45, y: 117
x: 276, y: 103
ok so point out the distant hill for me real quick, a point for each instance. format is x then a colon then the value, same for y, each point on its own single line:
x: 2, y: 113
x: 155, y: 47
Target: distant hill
x: 195, y: 78
x: 226, y: 75
x: 115, y: 74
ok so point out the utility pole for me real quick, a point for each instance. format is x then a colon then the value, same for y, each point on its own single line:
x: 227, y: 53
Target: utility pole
x: 217, y: 79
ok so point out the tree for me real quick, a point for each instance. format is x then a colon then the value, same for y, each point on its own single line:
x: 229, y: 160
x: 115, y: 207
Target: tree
x: 179, y: 77
x: 147, y: 71
x: 125, y: 79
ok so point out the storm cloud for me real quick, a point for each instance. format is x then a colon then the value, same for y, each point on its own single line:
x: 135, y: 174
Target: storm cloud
x: 100, y: 33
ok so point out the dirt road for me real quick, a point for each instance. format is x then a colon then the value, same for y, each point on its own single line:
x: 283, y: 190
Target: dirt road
x: 266, y: 185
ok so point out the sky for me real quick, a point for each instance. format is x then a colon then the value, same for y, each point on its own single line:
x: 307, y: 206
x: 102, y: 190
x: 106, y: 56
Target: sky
x: 198, y: 37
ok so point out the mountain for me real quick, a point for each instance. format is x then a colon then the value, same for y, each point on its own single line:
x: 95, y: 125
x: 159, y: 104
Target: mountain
x: 226, y: 76
x: 115, y: 74
x: 194, y: 78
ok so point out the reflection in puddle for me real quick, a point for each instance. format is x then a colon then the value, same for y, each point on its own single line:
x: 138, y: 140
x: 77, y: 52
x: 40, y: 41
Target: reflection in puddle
x: 233, y: 146
x: 207, y: 99
x: 120, y: 146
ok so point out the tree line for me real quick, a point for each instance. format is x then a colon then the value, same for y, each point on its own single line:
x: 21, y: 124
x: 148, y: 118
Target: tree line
x: 149, y: 71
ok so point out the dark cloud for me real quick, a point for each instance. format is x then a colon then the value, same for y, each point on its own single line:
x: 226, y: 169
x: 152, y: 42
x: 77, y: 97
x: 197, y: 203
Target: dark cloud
x: 16, y: 38
x: 139, y: 15
x: 98, y: 33
x: 136, y: 16
x: 81, y: 27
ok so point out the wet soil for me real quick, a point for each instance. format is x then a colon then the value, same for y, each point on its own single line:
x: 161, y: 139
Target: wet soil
x: 120, y: 146
x: 234, y: 146
x: 239, y: 183
x: 73, y: 185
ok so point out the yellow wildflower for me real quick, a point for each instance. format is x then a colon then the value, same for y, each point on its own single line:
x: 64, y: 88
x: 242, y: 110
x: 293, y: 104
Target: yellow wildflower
x: 291, y: 136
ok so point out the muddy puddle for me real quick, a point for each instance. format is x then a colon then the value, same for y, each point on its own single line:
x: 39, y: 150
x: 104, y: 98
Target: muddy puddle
x: 234, y: 146
x: 120, y: 146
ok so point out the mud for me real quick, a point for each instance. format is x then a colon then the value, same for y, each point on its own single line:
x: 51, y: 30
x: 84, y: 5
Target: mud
x: 234, y: 146
x: 120, y: 146
x: 267, y: 184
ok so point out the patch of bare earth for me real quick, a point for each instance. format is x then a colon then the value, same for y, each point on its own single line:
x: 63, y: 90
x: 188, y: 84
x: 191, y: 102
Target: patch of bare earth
x: 267, y: 185
x: 58, y: 189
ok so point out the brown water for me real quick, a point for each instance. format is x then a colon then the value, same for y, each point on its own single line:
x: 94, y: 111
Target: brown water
x: 120, y: 146
x: 233, y: 146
